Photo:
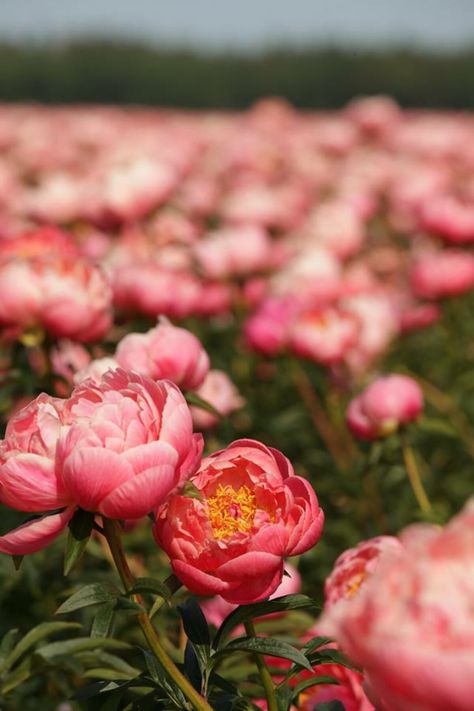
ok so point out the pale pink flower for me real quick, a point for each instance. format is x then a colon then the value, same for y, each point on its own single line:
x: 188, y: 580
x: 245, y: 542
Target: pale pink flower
x: 165, y: 352
x: 411, y: 626
x: 234, y: 252
x: 220, y: 392
x: 438, y: 275
x: 390, y: 401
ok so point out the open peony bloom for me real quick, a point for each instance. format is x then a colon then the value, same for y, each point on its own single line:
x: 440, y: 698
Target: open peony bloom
x: 387, y: 403
x: 117, y: 447
x: 165, y: 352
x: 250, y: 512
x: 411, y: 627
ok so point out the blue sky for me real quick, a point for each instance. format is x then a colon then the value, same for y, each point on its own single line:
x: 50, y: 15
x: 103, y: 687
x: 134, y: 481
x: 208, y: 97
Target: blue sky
x: 244, y: 24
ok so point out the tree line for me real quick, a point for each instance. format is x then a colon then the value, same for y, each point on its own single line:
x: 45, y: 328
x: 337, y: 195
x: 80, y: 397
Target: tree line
x: 102, y: 71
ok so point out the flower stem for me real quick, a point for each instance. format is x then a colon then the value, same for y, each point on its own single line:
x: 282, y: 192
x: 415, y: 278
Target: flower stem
x: 265, y: 675
x: 414, y: 477
x: 112, y: 532
x: 321, y: 421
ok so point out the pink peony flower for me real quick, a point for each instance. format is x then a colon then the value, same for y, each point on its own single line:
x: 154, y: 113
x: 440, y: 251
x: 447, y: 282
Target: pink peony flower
x: 234, y: 251
x: 129, y: 444
x: 151, y: 290
x: 323, y: 335
x: 66, y: 297
x: 354, y: 567
x: 68, y: 358
x: 165, y: 352
x: 96, y: 369
x: 443, y: 274
x: 387, y: 403
x: 411, y: 627
x: 251, y: 511
x: 117, y: 448
x: 220, y: 392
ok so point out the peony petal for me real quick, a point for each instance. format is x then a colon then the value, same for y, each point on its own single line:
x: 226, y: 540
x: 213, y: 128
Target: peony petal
x: 35, y: 535
x: 256, y: 589
x: 28, y: 483
x: 153, y: 454
x: 140, y: 494
x: 250, y: 565
x: 197, y: 581
x: 91, y: 473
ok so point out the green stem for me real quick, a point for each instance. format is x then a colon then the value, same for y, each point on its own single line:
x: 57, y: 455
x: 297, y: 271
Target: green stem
x: 414, y: 477
x: 112, y: 532
x: 265, y: 675
x: 320, y: 419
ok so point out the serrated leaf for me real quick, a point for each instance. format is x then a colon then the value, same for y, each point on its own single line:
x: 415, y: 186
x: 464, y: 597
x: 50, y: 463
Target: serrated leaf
x: 89, y: 595
x: 71, y: 646
x: 45, y: 629
x: 259, y: 609
x: 194, y: 622
x: 103, y: 620
x: 196, y: 401
x: 80, y: 529
x: 268, y: 646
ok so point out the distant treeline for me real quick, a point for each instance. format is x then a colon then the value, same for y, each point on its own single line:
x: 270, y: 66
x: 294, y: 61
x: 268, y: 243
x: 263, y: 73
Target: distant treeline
x: 309, y: 78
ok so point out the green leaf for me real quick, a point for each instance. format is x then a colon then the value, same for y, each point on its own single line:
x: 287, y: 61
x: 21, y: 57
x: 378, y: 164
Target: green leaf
x: 80, y: 529
x: 89, y: 595
x: 191, y: 491
x: 436, y: 425
x: 313, y: 681
x: 259, y: 609
x: 17, y: 561
x: 103, y: 620
x: 6, y: 646
x: 330, y: 706
x: 80, y: 644
x: 325, y: 656
x: 45, y: 629
x: 150, y: 585
x: 194, y: 622
x: 193, y: 399
x: 268, y: 646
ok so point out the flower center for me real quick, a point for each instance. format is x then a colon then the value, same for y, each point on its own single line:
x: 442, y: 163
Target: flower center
x: 354, y: 584
x: 231, y: 510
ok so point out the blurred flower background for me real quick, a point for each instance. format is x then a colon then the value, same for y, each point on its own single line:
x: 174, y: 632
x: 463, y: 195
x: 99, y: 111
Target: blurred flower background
x: 271, y: 205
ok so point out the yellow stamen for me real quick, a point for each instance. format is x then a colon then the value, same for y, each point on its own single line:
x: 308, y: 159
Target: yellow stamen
x: 231, y: 510
x: 355, y: 584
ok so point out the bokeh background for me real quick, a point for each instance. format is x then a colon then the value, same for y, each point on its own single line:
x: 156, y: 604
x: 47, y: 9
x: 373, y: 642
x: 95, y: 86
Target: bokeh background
x: 207, y: 54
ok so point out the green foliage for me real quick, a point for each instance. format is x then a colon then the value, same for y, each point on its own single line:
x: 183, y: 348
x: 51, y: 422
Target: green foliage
x: 108, y: 72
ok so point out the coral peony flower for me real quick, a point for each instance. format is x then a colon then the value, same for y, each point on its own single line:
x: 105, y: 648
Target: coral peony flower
x: 249, y: 513
x: 411, y: 627
x: 387, y: 403
x: 220, y: 392
x: 165, y: 352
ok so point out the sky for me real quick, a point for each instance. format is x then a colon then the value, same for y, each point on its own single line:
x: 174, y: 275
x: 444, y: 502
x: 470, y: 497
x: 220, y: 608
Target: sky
x: 244, y: 24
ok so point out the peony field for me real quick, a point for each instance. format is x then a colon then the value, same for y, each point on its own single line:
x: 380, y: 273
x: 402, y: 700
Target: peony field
x: 236, y: 408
